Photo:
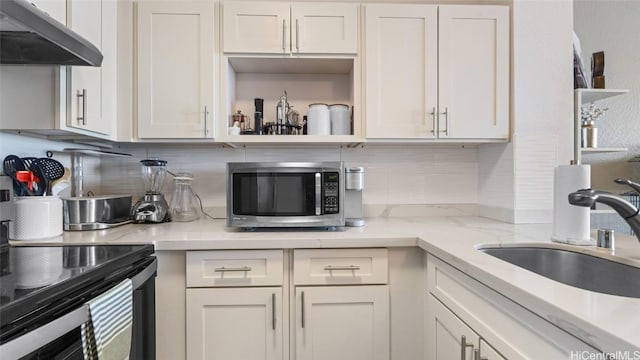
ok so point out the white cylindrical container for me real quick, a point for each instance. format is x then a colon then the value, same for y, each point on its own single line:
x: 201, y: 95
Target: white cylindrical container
x: 571, y: 224
x: 318, y: 120
x: 340, y: 119
x: 37, y: 217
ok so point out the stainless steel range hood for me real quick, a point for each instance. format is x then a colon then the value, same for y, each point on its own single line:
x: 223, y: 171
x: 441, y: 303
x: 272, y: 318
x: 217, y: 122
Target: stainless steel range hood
x: 30, y: 36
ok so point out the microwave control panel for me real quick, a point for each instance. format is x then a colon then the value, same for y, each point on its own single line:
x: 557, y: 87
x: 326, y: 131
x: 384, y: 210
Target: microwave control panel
x: 331, y: 187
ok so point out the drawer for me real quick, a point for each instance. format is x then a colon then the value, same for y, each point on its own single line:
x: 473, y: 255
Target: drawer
x: 340, y: 266
x: 234, y: 268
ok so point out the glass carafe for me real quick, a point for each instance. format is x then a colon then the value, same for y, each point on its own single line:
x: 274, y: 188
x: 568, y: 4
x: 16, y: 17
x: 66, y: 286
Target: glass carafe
x: 183, y: 201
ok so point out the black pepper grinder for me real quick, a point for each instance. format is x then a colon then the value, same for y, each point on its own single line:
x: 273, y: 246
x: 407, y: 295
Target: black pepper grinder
x: 259, y: 104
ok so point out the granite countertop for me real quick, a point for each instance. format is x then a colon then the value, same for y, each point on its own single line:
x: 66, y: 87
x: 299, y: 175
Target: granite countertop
x: 605, y: 321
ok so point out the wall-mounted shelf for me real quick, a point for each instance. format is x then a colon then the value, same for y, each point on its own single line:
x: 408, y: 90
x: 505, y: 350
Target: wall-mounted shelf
x: 586, y: 96
x: 591, y: 95
x: 602, y: 150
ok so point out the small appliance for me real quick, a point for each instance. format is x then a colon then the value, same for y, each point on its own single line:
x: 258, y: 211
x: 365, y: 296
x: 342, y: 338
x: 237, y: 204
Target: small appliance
x: 285, y: 194
x: 152, y: 207
x: 353, y: 185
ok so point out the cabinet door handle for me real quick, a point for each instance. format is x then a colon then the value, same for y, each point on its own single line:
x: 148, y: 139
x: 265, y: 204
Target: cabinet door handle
x: 434, y: 123
x: 224, y: 269
x: 297, y: 37
x: 82, y: 95
x: 463, y: 347
x: 446, y: 122
x: 350, y: 267
x: 284, y: 36
x: 206, y: 116
x: 302, y: 309
x: 477, y: 356
x: 273, y: 311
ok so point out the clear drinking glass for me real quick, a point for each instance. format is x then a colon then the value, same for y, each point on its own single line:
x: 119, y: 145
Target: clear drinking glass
x: 183, y: 201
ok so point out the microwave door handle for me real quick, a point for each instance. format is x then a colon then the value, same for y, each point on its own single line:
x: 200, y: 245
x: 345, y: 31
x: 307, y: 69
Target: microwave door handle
x: 318, y: 194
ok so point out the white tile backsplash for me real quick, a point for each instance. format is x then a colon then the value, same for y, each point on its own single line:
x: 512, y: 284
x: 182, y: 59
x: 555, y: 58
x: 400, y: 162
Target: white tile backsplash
x: 394, y: 174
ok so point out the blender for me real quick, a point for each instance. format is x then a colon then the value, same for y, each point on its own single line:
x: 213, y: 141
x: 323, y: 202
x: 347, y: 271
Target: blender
x: 152, y: 206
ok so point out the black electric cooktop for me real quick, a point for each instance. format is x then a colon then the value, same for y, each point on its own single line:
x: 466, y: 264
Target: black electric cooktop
x: 44, y: 279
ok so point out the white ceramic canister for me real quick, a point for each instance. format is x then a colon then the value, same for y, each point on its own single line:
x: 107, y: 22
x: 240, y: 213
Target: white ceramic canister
x: 37, y: 217
x: 318, y: 120
x: 340, y: 119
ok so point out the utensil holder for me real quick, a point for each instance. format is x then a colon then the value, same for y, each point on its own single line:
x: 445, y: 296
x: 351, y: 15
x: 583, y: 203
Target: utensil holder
x: 37, y: 217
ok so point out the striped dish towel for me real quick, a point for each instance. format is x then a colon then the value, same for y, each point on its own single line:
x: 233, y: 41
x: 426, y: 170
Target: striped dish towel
x: 107, y: 334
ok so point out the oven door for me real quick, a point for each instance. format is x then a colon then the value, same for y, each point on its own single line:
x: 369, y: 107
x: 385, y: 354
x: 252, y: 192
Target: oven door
x: 59, y: 337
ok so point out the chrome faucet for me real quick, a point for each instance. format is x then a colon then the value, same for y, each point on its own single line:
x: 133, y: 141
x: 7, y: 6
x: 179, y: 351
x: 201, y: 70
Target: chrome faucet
x: 631, y: 214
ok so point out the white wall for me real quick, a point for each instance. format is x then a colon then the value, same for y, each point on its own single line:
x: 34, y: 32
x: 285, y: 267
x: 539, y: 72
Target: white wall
x: 613, y: 27
x: 516, y: 180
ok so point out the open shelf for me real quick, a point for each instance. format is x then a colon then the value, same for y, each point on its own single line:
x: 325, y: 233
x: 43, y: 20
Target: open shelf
x: 602, y: 150
x: 591, y: 95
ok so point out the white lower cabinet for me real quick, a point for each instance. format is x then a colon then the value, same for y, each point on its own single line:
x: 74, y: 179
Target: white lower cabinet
x: 234, y: 324
x: 342, y: 322
x: 450, y: 338
x: 341, y: 304
x: 246, y: 305
x: 457, y: 305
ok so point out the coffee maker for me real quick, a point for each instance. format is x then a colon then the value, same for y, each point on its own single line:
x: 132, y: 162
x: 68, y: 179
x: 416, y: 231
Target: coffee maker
x: 152, y: 206
x: 354, y: 185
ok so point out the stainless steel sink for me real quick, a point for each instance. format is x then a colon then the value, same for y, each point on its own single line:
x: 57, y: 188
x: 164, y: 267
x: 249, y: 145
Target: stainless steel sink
x: 577, y: 269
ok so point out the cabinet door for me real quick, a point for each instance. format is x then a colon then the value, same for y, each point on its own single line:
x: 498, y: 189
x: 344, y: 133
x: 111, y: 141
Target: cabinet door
x: 330, y: 28
x: 234, y: 324
x: 401, y: 71
x: 474, y: 72
x: 446, y: 333
x: 256, y: 27
x: 175, y: 69
x: 342, y: 323
x: 91, y: 99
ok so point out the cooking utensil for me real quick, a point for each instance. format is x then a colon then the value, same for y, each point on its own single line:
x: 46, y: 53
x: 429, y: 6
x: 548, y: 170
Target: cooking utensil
x: 29, y: 178
x: 38, y: 182
x: 51, y: 170
x: 11, y: 165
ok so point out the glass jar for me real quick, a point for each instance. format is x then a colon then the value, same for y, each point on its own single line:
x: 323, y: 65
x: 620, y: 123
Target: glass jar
x: 182, y: 206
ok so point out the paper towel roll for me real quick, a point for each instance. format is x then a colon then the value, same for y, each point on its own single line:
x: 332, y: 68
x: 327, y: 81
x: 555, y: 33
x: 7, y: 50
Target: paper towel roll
x: 571, y: 224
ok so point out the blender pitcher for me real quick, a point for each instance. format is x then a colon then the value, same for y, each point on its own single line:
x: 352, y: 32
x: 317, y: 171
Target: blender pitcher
x: 182, y: 206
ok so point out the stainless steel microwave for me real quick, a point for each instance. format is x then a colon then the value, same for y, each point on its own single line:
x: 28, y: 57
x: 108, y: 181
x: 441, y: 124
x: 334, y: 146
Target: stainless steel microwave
x: 285, y: 194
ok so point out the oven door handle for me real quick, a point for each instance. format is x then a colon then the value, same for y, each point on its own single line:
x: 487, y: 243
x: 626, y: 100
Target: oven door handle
x: 41, y: 336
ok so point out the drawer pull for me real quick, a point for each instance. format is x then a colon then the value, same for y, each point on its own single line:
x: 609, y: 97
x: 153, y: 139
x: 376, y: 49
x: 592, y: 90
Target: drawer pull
x: 223, y: 269
x: 350, y: 267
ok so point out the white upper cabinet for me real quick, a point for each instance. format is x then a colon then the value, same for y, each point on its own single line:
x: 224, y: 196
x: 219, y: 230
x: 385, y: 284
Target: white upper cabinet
x: 473, y: 60
x: 401, y: 63
x: 175, y: 62
x: 436, y: 72
x: 290, y: 28
x: 91, y: 91
x: 329, y: 28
